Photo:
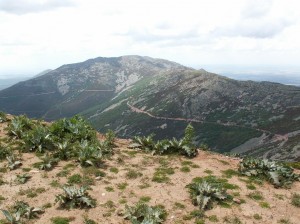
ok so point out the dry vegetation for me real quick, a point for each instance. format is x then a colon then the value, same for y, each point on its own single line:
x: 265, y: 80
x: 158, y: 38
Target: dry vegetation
x: 131, y: 177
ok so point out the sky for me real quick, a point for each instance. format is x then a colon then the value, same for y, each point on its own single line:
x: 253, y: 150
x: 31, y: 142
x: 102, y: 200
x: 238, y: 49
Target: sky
x: 44, y: 34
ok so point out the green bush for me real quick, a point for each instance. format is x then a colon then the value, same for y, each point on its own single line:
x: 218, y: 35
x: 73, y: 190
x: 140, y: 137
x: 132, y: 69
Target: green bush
x: 75, y: 198
x: 38, y: 139
x: 19, y: 125
x: 3, y: 117
x: 184, y: 146
x: 204, y: 194
x: 142, y: 213
x: 276, y: 173
x: 73, y: 129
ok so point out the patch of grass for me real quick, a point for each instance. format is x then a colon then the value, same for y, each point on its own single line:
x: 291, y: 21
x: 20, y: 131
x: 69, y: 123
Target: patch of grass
x: 186, y: 163
x: 178, y: 205
x: 123, y: 201
x: 144, y: 185
x: 107, y: 214
x: 114, y: 170
x: 75, y: 179
x: 230, y: 173
x: 133, y: 174
x: 251, y: 187
x: 217, y: 181
x: 40, y: 190
x: 208, y: 171
x: 252, y: 180
x: 145, y: 199
x: 3, y: 170
x: 55, y: 184
x: 32, y: 192
x: 213, y: 218
x: 146, y: 161
x: 163, y: 162
x: 223, y: 162
x: 235, y: 194
x: 284, y: 221
x: 88, y: 221
x: 224, y: 204
x: 296, y: 200
x: 232, y: 220
x: 109, y: 204
x: 78, y: 179
x: 161, y: 174
x: 93, y: 171
x: 61, y: 220
x: 257, y: 216
x: 122, y: 186
x: 256, y: 196
x: 264, y: 204
x: 109, y: 189
x: 47, y: 205
x: 195, y: 214
x: 2, y: 182
x: 63, y: 173
x: 185, y: 169
x: 130, y: 153
x: 195, y: 166
x: 26, y: 169
x: 279, y: 196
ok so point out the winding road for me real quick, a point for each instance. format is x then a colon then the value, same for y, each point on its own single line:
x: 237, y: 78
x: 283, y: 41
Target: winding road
x: 137, y: 110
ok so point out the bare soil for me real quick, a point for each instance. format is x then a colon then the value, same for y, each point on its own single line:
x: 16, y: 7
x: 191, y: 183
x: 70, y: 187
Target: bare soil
x: 174, y: 191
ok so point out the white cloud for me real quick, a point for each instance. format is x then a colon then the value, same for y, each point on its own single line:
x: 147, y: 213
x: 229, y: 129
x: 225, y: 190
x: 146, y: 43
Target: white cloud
x: 41, y: 34
x: 20, y: 7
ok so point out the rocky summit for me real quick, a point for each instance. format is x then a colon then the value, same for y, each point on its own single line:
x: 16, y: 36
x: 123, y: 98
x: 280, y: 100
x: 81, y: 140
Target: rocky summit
x: 135, y: 95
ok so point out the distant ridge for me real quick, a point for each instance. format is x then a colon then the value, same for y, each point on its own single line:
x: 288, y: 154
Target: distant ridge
x: 101, y: 89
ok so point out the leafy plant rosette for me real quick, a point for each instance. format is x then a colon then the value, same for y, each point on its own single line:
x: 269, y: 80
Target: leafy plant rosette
x: 184, y: 146
x: 205, y: 194
x: 277, y: 174
x: 75, y: 198
x: 142, y: 213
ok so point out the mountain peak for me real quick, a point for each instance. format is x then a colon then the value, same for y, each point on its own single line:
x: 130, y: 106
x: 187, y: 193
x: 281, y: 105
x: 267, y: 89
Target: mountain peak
x: 139, y: 95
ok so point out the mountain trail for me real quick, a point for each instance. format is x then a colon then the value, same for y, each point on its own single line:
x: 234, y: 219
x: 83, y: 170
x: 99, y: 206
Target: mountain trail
x: 137, y: 110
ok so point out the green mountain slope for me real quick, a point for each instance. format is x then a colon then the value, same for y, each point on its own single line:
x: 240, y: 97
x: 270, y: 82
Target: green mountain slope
x: 141, y: 95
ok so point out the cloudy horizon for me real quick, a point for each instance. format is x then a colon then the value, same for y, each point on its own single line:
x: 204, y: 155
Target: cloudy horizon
x: 45, y: 34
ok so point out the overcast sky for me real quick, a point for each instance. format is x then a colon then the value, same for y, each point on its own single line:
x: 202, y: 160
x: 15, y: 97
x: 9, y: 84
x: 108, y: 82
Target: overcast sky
x: 41, y: 34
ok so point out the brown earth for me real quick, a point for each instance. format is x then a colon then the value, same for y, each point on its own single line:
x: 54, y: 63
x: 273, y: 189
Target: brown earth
x: 167, y: 194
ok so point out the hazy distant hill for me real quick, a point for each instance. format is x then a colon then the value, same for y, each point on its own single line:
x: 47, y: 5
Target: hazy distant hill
x: 140, y: 95
x: 5, y: 83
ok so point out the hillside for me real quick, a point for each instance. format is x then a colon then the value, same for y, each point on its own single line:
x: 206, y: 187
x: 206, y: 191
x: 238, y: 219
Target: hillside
x: 127, y: 176
x: 135, y: 95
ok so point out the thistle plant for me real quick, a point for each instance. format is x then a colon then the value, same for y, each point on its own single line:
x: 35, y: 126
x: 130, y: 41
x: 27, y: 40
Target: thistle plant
x: 22, y: 178
x: 4, y: 151
x: 38, y: 139
x: 184, y: 146
x: 21, y: 210
x: 205, y: 194
x: 74, y: 129
x: 12, y: 218
x: 64, y: 150
x: 19, y: 125
x: 146, y: 143
x: 3, y: 117
x: 75, y: 198
x: 276, y: 173
x: 88, y: 154
x: 142, y: 213
x: 47, y: 163
x: 13, y: 162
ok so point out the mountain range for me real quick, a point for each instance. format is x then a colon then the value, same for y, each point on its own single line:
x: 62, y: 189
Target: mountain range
x: 135, y: 95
